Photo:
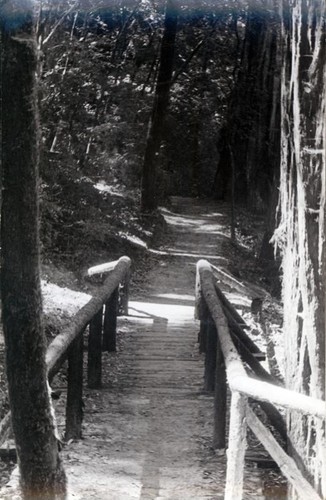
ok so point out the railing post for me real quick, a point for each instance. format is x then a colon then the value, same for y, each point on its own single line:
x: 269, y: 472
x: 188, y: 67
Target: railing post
x: 125, y: 294
x: 110, y: 322
x: 202, y: 335
x: 219, y: 435
x: 236, y: 448
x: 74, y: 405
x: 201, y: 313
x: 94, y: 374
x: 210, y: 358
x: 204, y: 318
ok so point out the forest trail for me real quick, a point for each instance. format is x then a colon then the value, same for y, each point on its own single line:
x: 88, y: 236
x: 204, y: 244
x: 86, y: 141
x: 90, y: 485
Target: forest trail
x: 147, y: 432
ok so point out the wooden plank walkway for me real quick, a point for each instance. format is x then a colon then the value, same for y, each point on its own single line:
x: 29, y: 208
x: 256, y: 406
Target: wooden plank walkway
x: 147, y: 432
x: 150, y: 424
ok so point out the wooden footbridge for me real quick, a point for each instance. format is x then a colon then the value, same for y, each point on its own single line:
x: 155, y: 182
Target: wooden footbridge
x: 163, y: 394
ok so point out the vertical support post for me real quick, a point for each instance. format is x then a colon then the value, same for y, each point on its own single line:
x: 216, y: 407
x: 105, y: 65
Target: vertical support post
x: 94, y: 374
x: 204, y: 318
x: 125, y: 294
x: 202, y: 335
x: 201, y: 313
x: 110, y: 323
x: 219, y: 400
x: 74, y: 405
x: 237, y: 448
x: 198, y: 297
x: 210, y: 358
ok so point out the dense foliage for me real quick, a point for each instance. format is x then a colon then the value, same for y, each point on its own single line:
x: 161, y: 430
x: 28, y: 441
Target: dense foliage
x: 98, y: 72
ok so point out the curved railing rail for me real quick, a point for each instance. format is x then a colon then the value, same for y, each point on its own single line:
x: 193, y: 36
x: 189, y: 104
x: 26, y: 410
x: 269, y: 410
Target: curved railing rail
x: 223, y: 362
x: 100, y: 313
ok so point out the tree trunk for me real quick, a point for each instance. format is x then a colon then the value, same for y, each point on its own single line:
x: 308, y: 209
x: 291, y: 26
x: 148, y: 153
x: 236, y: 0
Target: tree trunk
x: 253, y: 121
x: 41, y: 473
x: 161, y: 102
x: 301, y: 232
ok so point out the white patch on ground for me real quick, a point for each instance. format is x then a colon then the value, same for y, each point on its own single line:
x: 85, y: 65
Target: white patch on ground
x: 157, y: 311
x: 175, y: 296
x: 57, y: 299
x: 176, y: 253
x: 134, y: 240
x: 105, y: 188
x: 59, y: 302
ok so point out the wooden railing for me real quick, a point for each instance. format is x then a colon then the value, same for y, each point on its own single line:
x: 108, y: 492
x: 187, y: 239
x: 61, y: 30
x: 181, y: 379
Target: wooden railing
x: 100, y: 313
x: 224, y: 345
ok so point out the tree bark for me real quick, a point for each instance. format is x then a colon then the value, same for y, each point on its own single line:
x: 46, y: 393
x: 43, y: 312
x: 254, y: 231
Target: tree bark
x: 161, y: 101
x: 301, y: 233
x: 41, y: 472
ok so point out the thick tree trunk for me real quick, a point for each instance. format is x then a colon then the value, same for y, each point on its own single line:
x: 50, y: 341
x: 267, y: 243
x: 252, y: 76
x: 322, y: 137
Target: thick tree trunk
x: 161, y: 102
x: 41, y: 472
x: 301, y: 232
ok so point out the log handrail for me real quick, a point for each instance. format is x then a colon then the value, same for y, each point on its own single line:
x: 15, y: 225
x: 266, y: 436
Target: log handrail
x: 58, y: 349
x: 69, y: 343
x: 243, y: 386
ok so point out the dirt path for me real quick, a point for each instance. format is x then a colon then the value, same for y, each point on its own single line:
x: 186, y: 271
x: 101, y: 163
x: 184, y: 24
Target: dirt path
x: 147, y: 432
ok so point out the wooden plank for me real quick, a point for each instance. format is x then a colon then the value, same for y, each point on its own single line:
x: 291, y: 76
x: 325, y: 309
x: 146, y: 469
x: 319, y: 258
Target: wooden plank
x: 285, y: 463
x: 236, y: 448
